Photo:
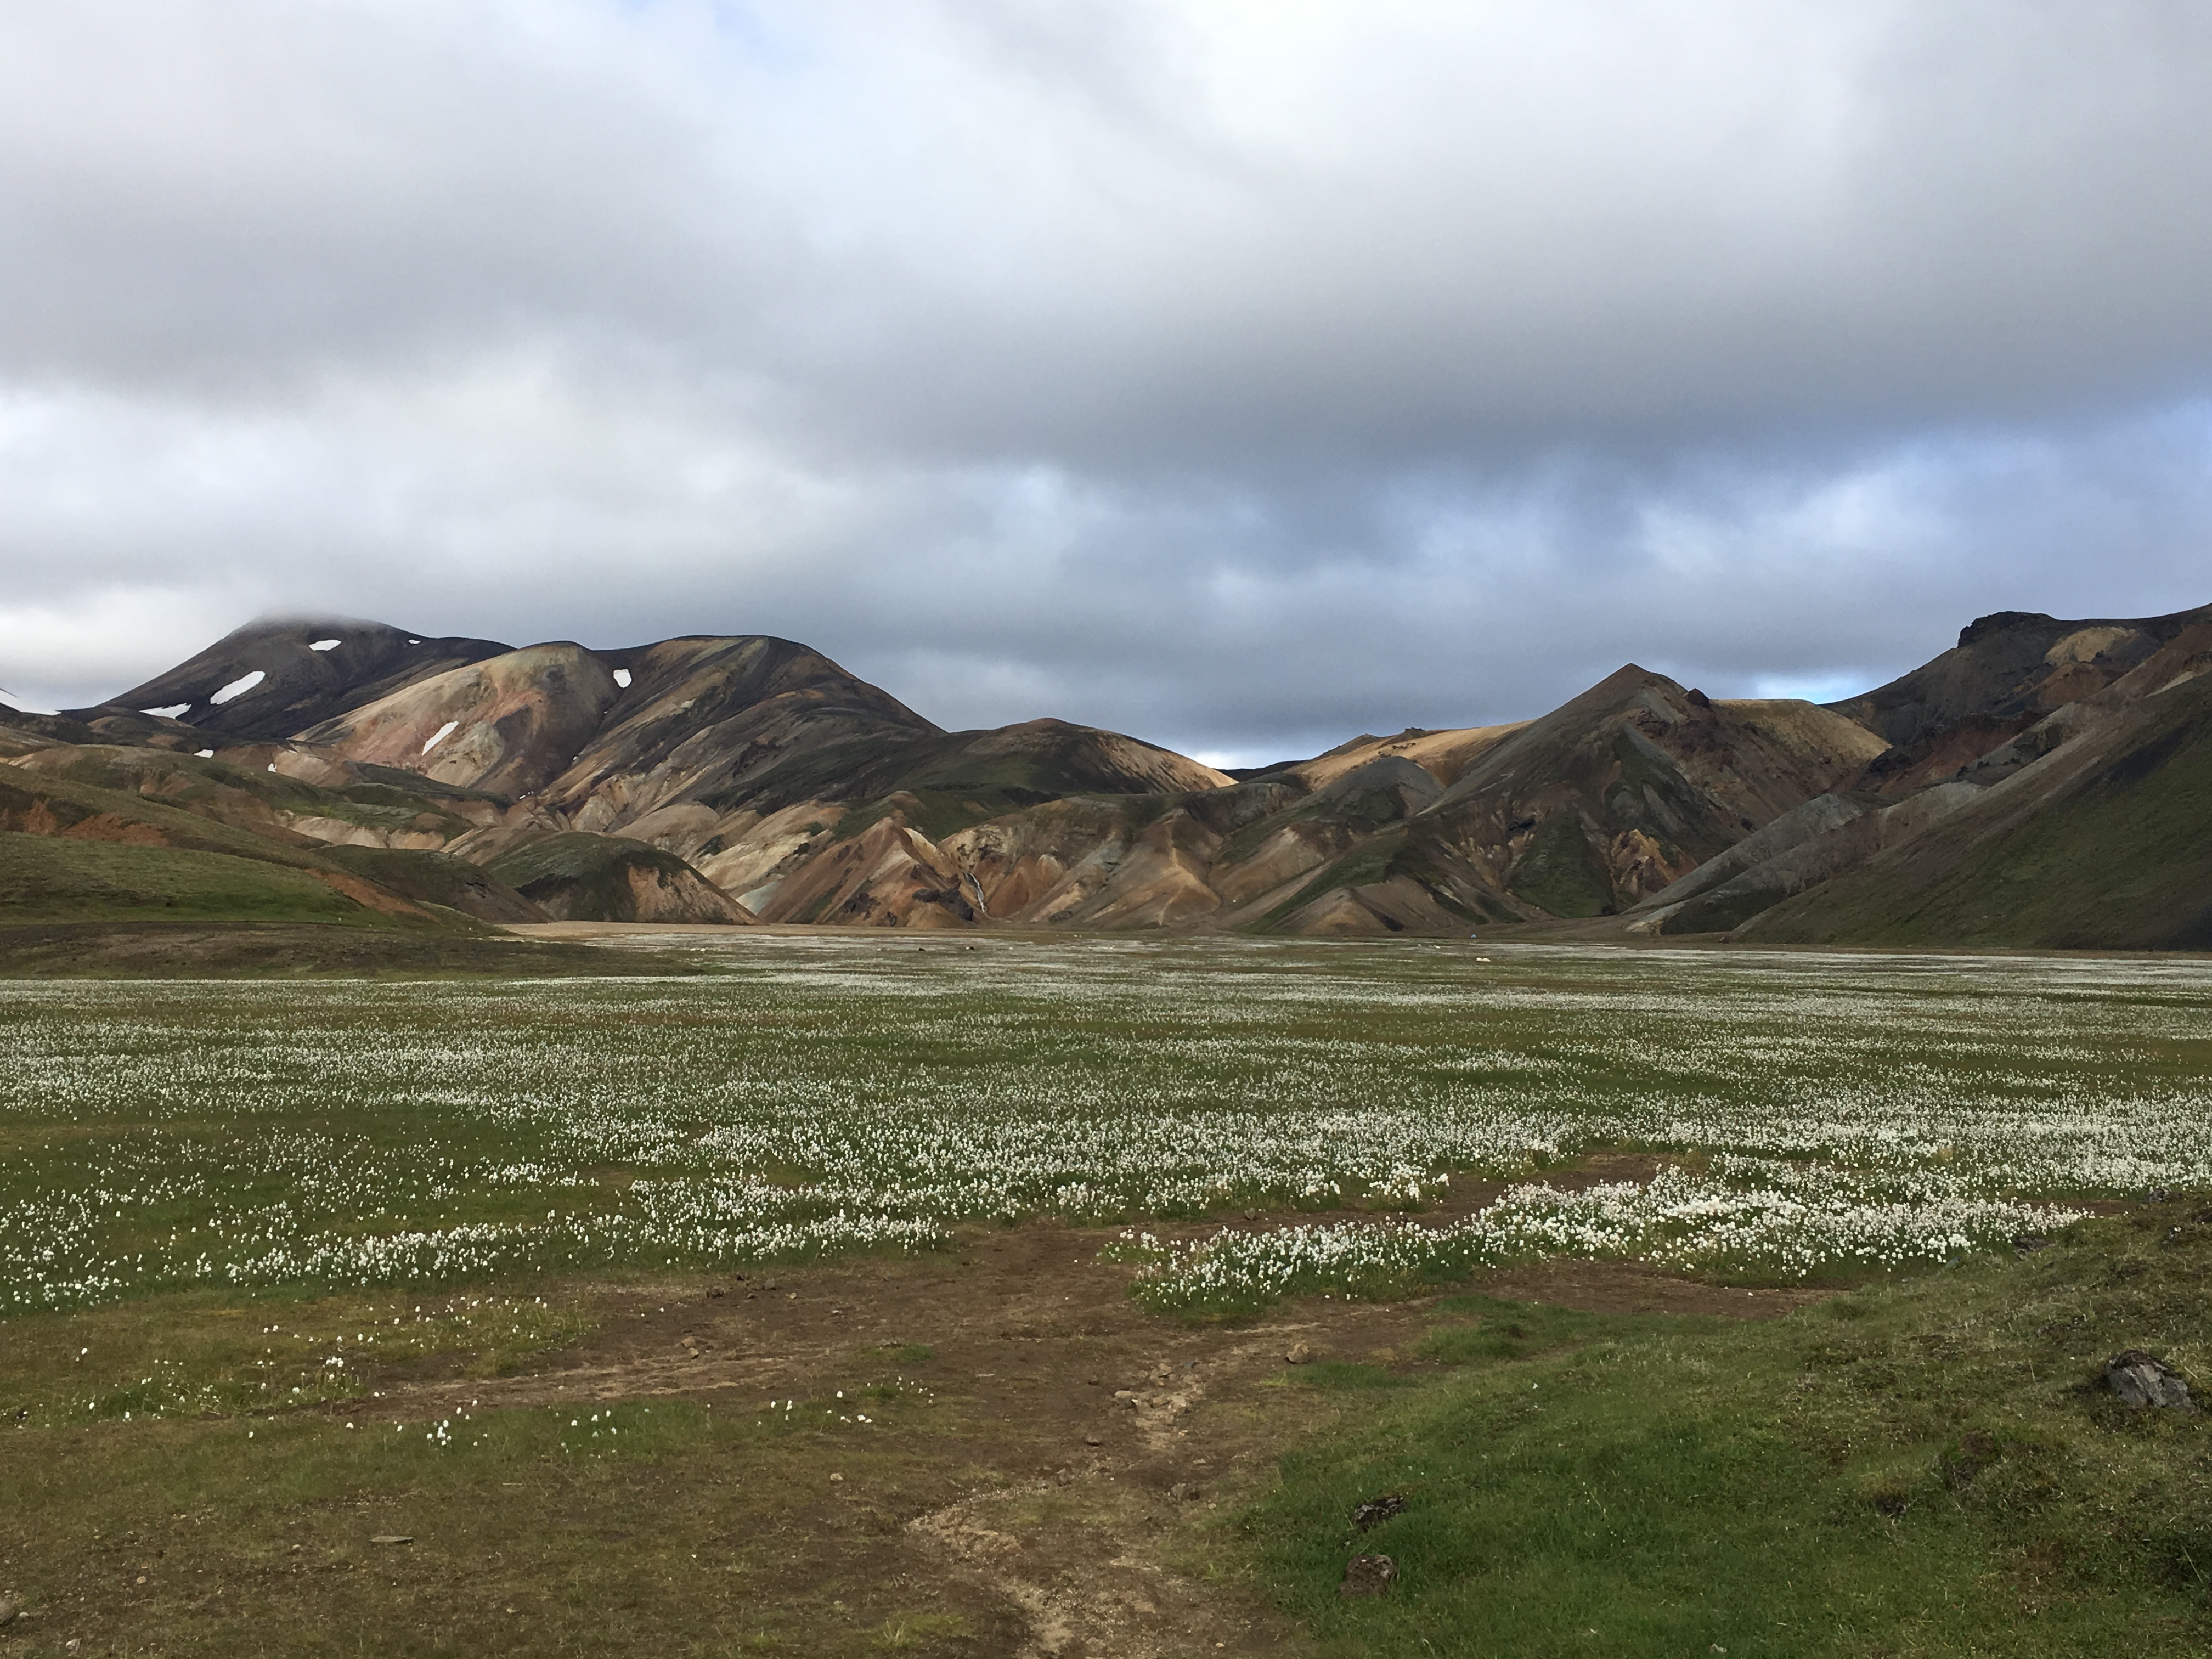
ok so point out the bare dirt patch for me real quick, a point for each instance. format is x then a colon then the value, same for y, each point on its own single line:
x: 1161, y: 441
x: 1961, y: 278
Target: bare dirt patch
x: 1068, y: 1490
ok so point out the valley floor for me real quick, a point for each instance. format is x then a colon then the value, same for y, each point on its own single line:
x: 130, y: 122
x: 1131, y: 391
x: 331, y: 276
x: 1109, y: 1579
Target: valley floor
x: 995, y: 1452
x: 843, y: 1294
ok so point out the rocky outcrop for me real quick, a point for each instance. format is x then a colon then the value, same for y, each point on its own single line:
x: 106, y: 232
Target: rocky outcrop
x: 2007, y: 672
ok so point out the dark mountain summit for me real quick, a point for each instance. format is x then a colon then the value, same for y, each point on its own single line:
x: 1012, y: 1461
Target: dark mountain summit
x: 2007, y: 672
x: 272, y: 679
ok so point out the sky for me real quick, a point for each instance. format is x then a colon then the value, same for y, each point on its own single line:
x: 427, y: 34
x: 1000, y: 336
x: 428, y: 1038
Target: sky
x: 1245, y: 374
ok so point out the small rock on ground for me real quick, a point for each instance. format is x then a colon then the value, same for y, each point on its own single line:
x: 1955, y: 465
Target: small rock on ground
x: 1375, y: 1511
x: 2142, y: 1378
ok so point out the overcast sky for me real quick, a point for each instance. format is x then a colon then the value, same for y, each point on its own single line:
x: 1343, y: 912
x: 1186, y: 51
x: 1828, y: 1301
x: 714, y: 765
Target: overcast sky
x: 1244, y: 374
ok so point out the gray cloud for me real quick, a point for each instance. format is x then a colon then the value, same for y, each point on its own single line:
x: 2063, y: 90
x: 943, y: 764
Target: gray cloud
x: 1242, y: 374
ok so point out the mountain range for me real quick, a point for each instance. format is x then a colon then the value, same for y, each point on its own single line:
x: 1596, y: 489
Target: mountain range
x: 2043, y: 783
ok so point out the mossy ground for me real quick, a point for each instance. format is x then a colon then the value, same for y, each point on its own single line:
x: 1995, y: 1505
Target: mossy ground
x: 1667, y: 1479
x: 965, y: 1450
x: 50, y: 879
x: 1927, y: 1466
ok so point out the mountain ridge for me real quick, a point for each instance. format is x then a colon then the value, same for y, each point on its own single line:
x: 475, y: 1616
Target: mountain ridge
x: 746, y: 778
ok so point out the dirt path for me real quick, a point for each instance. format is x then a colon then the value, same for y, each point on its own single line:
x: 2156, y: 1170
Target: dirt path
x: 1086, y: 1453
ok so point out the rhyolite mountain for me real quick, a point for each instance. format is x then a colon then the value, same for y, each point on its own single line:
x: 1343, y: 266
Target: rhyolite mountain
x: 2047, y: 784
x: 2036, y: 784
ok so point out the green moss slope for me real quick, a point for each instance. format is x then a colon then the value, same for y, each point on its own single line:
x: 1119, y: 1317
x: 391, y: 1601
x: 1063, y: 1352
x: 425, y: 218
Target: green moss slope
x: 49, y: 879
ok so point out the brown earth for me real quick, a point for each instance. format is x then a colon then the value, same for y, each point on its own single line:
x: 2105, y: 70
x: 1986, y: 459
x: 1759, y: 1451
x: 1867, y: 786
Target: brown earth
x: 1081, y: 1455
x: 371, y: 897
x: 1053, y: 1472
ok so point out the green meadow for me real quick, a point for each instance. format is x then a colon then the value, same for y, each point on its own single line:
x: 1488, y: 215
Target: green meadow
x: 288, y: 1264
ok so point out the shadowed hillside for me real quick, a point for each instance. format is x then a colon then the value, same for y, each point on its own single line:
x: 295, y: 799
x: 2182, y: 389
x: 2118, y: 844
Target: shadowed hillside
x: 2104, y: 843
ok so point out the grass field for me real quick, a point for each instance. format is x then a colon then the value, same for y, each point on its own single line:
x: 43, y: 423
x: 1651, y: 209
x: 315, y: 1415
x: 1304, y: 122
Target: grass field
x: 49, y: 879
x: 1925, y: 1467
x: 486, y: 1263
x: 820, y: 1095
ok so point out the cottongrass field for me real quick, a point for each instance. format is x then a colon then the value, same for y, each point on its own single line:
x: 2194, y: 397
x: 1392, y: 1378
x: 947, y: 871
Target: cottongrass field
x: 1818, y: 1113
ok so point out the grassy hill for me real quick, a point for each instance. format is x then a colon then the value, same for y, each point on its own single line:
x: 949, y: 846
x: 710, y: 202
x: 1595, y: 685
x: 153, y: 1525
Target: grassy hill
x: 52, y: 879
x: 74, y: 852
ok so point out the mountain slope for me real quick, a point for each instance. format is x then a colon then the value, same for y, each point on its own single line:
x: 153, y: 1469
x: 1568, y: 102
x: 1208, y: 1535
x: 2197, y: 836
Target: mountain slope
x: 742, y: 777
x: 1829, y: 838
x: 507, y: 725
x: 2007, y: 672
x: 1624, y: 789
x: 2101, y: 843
x: 357, y: 810
x: 686, y: 748
x: 70, y: 851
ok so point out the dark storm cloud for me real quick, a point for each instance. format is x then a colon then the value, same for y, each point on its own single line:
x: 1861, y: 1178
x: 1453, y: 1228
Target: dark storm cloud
x: 1242, y: 374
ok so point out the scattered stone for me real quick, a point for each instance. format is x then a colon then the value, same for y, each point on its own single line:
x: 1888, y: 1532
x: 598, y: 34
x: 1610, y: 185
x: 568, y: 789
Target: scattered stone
x: 1368, y: 1575
x: 2140, y: 1378
x: 1091, y: 1440
x: 393, y: 1537
x: 837, y: 1478
x: 1375, y: 1511
x: 1298, y: 1355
